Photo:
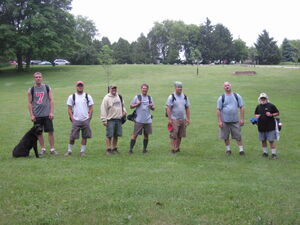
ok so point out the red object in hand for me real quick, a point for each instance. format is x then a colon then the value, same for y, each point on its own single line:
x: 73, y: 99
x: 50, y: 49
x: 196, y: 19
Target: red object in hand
x: 170, y: 127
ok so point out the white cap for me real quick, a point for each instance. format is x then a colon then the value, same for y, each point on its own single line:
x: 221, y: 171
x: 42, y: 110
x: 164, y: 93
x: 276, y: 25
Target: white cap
x: 263, y: 95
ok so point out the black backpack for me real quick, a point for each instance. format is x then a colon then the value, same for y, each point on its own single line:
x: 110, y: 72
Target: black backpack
x: 236, y: 98
x: 174, y: 99
x: 123, y: 119
x: 32, y: 91
x: 86, y: 96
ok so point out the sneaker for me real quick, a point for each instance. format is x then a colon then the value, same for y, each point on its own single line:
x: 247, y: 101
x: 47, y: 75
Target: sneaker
x: 68, y: 153
x: 145, y: 151
x: 108, y: 152
x: 82, y: 154
x: 265, y: 154
x: 115, y: 151
x: 242, y: 153
x: 53, y: 152
x: 274, y: 156
x: 173, y: 151
x: 130, y: 152
x: 178, y: 150
x: 228, y: 152
x: 42, y: 152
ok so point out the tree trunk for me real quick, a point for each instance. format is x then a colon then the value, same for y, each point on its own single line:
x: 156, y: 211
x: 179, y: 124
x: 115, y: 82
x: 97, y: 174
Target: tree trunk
x: 28, y: 58
x: 20, y: 62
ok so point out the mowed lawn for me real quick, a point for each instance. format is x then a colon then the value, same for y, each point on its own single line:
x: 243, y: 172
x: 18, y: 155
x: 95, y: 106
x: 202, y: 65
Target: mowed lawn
x: 200, y: 185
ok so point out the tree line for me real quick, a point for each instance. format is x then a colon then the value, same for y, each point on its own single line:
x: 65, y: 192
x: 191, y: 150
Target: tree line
x: 45, y: 29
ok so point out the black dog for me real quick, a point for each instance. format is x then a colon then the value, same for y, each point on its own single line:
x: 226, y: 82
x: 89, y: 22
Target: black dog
x: 28, y: 142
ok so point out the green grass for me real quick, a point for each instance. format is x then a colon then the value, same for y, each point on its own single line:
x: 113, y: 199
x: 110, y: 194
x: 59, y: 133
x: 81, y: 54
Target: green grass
x: 198, y: 186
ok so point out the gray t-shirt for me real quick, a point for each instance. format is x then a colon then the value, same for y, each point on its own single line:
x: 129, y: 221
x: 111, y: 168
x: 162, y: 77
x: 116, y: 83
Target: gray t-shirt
x: 41, y: 101
x: 143, y: 110
x: 178, y: 106
x: 229, y: 109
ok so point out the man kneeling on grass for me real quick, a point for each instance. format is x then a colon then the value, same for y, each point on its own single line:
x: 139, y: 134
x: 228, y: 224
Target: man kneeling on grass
x: 265, y: 112
x: 80, y: 109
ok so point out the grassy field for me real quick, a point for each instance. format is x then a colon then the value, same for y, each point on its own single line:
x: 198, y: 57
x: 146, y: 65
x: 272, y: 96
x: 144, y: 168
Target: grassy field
x: 200, y: 185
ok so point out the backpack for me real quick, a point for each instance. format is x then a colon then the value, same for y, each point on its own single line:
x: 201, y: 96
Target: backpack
x: 32, y: 91
x: 236, y: 98
x: 174, y: 99
x: 86, y: 96
x: 133, y: 115
x: 123, y: 119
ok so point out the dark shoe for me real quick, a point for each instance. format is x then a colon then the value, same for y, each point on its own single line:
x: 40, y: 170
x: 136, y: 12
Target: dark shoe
x: 265, y: 154
x: 242, y: 153
x: 173, y: 151
x: 68, y: 153
x: 145, y: 151
x: 228, y: 153
x: 82, y: 154
x: 178, y: 150
x: 115, y: 151
x: 108, y: 152
x: 130, y: 152
x: 274, y: 156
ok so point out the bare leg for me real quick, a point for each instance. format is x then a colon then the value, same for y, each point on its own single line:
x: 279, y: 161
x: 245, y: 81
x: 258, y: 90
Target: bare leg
x: 83, y: 141
x: 115, y: 142
x: 51, y: 139
x: 108, y: 143
x: 41, y: 140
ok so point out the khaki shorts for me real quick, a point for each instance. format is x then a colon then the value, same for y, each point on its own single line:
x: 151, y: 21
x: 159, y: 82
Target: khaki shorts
x: 114, y: 128
x: 267, y: 136
x: 140, y: 127
x: 83, y: 126
x: 179, y: 129
x: 233, y: 128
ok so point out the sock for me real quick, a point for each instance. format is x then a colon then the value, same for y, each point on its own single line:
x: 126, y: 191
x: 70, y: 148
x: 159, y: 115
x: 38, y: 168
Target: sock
x: 70, y: 147
x: 43, y: 149
x: 132, y: 143
x: 145, y: 144
x: 227, y: 148
x: 274, y: 151
x: 241, y: 148
x: 83, y: 147
x: 265, y: 150
x: 52, y: 149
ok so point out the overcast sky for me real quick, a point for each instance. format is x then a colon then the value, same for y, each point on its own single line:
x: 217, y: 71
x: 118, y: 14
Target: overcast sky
x: 245, y: 19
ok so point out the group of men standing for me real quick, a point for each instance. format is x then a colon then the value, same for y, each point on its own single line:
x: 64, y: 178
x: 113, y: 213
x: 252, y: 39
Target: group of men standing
x: 230, y: 114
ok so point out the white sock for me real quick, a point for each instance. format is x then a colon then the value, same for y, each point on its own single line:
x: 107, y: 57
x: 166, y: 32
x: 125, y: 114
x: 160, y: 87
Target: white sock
x: 70, y: 147
x: 241, y: 148
x: 265, y: 150
x: 43, y: 149
x: 227, y: 148
x: 52, y: 149
x: 83, y: 147
x: 274, y: 151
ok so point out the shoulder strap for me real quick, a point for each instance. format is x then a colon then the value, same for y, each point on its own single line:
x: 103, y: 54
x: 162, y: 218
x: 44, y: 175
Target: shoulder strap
x: 87, y: 99
x: 173, y: 97
x: 223, y: 98
x: 185, y: 98
x: 121, y: 98
x: 139, y: 97
x: 236, y: 98
x: 32, y: 93
x: 149, y: 98
x: 47, y: 88
x: 73, y: 97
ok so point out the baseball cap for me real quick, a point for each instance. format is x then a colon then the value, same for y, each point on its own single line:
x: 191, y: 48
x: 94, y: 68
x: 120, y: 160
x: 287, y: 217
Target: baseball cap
x: 178, y: 84
x: 112, y: 86
x: 263, y: 95
x: 79, y: 82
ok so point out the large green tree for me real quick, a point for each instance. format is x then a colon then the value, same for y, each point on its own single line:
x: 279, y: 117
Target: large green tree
x: 239, y: 50
x: 36, y: 28
x: 288, y: 52
x: 296, y: 46
x: 140, y: 51
x: 121, y: 51
x: 267, y: 49
x: 206, y: 41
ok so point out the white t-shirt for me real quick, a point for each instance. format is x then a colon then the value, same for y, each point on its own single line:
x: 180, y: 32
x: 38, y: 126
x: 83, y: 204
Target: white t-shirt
x: 80, y: 108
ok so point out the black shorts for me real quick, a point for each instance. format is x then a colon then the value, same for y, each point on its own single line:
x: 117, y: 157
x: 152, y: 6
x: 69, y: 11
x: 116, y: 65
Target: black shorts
x: 45, y: 122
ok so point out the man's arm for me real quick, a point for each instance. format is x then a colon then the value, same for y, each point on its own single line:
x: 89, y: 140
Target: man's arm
x: 219, y: 118
x: 51, y: 114
x: 242, y: 115
x: 32, y: 117
x: 70, y: 112
x: 91, y: 109
x: 188, y: 113
x: 103, y: 115
x: 169, y: 108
